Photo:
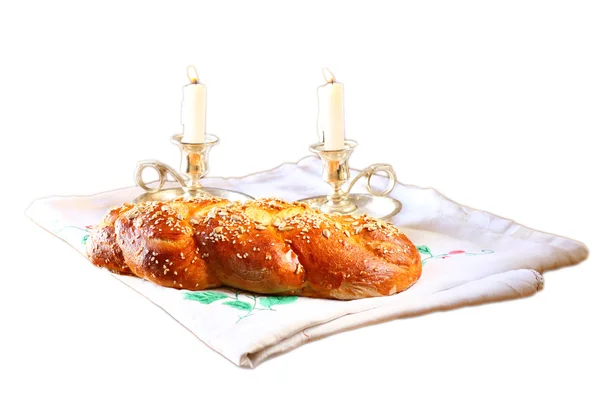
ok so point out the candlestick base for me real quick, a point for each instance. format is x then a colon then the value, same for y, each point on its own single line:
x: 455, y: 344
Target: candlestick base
x: 194, y: 166
x: 174, y: 193
x: 381, y: 207
x: 336, y: 173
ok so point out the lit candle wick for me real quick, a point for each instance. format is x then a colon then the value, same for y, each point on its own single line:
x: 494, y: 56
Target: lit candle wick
x: 192, y: 74
x: 328, y: 75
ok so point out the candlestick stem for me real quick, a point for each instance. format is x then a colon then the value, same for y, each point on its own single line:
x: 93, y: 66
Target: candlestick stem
x: 194, y: 160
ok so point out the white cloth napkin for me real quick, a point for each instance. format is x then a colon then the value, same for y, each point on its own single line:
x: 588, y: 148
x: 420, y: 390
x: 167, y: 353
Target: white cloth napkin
x: 469, y: 257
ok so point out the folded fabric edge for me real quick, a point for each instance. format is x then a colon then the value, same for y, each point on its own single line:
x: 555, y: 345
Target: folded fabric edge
x: 509, y: 285
x: 577, y: 250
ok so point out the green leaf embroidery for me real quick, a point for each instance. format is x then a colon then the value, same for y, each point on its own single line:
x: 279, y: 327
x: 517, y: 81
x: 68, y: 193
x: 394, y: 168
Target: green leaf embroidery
x: 238, y: 304
x: 424, y: 250
x: 204, y: 297
x: 275, y: 300
x: 84, y: 239
x: 208, y: 297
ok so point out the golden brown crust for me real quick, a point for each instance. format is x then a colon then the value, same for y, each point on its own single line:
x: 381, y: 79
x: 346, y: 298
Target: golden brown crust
x: 265, y: 246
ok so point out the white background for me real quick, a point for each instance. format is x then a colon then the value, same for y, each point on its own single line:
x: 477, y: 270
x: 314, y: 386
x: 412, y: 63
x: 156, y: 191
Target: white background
x: 495, y: 104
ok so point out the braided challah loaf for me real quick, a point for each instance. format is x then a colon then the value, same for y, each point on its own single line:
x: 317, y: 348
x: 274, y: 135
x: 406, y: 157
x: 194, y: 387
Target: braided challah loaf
x: 265, y: 246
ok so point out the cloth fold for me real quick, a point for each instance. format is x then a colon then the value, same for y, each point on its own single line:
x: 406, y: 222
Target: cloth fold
x: 469, y: 257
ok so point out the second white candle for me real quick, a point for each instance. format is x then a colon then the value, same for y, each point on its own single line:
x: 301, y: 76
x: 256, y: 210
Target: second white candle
x: 331, y: 112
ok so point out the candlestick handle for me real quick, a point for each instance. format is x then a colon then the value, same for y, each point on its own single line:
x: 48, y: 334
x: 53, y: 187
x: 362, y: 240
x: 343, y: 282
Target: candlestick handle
x: 369, y: 172
x: 340, y: 200
x: 193, y: 165
x: 162, y: 170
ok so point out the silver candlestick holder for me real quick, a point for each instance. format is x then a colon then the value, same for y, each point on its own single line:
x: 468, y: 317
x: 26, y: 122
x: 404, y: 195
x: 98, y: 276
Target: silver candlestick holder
x: 194, y: 166
x: 336, y: 173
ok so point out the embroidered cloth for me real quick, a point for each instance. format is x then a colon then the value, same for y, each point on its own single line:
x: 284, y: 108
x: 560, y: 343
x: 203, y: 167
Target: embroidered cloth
x: 469, y: 257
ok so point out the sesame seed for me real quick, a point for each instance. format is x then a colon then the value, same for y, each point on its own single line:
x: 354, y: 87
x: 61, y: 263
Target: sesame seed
x: 131, y: 214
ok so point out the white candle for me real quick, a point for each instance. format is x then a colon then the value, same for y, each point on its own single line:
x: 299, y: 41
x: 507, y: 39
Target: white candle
x: 193, y: 109
x: 330, y: 123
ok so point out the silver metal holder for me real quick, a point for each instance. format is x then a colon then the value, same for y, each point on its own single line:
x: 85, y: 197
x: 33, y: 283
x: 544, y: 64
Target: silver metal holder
x: 194, y: 166
x: 336, y: 173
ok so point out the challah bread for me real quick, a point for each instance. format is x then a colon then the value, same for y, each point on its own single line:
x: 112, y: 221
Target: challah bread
x: 266, y: 246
